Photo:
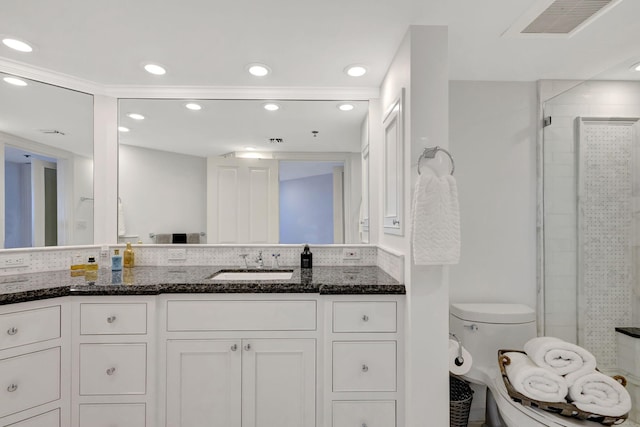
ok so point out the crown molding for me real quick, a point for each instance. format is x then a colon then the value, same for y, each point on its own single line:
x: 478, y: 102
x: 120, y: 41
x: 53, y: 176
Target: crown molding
x: 43, y: 75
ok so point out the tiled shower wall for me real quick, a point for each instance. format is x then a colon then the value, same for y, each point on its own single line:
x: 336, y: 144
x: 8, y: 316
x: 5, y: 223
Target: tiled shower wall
x: 59, y: 258
x: 590, y: 99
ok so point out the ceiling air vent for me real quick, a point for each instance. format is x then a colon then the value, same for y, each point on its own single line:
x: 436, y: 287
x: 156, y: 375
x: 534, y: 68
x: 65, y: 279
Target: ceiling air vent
x: 276, y: 140
x: 52, y: 132
x: 559, y: 17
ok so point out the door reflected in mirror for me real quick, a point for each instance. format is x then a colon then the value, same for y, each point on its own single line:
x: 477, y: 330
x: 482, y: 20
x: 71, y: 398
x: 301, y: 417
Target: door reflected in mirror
x: 46, y: 139
x: 236, y: 172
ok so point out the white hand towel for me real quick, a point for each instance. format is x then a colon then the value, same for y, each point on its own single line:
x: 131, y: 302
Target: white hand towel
x: 560, y: 357
x: 600, y: 394
x: 121, y: 227
x: 435, y: 221
x: 533, y: 381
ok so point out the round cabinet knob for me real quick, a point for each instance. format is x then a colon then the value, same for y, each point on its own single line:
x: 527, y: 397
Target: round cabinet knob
x: 247, y: 347
x: 111, y: 319
x: 234, y: 347
x: 12, y: 388
x: 111, y: 371
x: 12, y: 331
x: 365, y: 318
x: 365, y: 368
x: 364, y: 424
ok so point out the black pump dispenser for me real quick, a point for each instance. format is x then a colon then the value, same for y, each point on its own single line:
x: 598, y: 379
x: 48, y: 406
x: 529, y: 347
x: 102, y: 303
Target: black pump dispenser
x: 306, y: 258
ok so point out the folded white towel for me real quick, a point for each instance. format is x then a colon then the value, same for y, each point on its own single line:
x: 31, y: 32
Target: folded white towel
x: 600, y: 394
x: 533, y: 381
x: 560, y: 357
x: 435, y: 221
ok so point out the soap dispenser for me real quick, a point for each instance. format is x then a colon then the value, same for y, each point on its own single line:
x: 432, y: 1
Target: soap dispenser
x: 129, y: 256
x: 116, y: 261
x: 306, y: 258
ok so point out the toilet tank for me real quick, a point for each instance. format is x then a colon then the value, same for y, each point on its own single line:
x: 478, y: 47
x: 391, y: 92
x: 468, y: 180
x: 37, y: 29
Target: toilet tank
x: 483, y: 329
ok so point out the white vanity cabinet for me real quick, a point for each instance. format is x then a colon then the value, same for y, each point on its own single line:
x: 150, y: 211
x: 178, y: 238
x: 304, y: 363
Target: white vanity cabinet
x: 113, y: 361
x: 240, y: 361
x: 34, y: 364
x: 364, y: 360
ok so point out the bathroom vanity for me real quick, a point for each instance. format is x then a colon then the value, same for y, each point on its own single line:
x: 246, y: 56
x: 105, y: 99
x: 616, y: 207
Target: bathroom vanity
x: 176, y: 348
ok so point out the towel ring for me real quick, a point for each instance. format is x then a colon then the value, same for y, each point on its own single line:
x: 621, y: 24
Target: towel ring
x: 430, y: 153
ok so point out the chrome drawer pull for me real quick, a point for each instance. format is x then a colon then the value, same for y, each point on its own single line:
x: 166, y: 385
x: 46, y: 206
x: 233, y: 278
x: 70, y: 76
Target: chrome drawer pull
x: 364, y: 424
x: 12, y: 388
x: 365, y: 318
x: 111, y: 319
x: 247, y: 347
x: 111, y: 371
x: 234, y: 347
x: 365, y: 368
x: 12, y: 331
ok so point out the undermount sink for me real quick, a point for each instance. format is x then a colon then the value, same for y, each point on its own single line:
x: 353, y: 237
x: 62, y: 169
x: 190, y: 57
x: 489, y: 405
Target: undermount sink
x: 253, y: 275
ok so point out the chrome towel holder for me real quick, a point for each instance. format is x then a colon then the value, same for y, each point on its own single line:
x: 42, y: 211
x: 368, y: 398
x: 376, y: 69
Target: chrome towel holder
x: 430, y: 153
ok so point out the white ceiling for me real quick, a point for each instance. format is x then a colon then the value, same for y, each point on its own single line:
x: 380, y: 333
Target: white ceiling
x: 306, y: 43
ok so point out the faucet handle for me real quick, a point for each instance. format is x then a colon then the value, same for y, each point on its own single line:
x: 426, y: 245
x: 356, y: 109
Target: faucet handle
x: 244, y: 257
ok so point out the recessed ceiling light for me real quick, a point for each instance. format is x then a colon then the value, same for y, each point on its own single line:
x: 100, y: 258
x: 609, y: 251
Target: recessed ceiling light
x: 250, y: 148
x: 346, y: 107
x: 193, y: 106
x: 635, y: 67
x: 258, y: 70
x: 18, y: 45
x: 271, y: 107
x: 155, y: 69
x: 356, y: 70
x: 15, y: 81
x: 136, y: 116
x: 123, y: 129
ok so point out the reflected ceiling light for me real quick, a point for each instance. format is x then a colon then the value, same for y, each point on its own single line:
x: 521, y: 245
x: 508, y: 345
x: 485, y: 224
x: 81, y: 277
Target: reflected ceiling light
x: 345, y: 107
x: 250, y: 148
x: 356, y: 70
x: 18, y: 45
x: 258, y: 70
x: 123, y: 129
x: 136, y: 116
x: 635, y: 67
x: 271, y: 107
x: 15, y: 81
x: 155, y: 69
x: 193, y: 106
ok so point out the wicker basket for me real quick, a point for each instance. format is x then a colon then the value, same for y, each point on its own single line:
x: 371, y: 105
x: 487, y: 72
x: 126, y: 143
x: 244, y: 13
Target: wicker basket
x: 560, y: 408
x: 460, y: 396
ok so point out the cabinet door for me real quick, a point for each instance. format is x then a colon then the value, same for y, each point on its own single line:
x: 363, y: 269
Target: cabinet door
x: 203, y: 383
x: 279, y: 383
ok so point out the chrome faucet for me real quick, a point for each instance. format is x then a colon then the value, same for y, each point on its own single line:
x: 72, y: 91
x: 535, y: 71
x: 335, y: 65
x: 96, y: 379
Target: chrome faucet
x: 259, y: 260
x: 275, y: 260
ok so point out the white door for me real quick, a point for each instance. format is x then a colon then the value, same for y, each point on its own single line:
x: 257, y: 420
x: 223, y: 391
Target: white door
x: 242, y: 200
x: 203, y: 383
x: 279, y: 383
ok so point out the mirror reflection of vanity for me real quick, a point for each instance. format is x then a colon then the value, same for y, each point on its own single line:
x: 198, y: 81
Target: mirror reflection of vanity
x: 46, y: 141
x: 234, y: 171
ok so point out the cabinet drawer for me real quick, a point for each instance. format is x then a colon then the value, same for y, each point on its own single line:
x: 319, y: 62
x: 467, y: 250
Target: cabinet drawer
x: 365, y: 316
x: 364, y: 366
x: 113, y: 369
x: 113, y: 415
x: 29, y: 380
x: 49, y: 419
x: 241, y: 315
x: 29, y: 326
x: 106, y: 319
x: 372, y: 413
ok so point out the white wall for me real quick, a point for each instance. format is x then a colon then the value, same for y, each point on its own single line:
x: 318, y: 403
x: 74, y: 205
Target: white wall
x: 421, y: 67
x: 162, y: 192
x: 493, y: 141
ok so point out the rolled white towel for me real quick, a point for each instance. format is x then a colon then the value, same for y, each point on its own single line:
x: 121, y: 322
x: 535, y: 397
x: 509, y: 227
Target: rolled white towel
x: 560, y: 357
x: 533, y: 381
x: 600, y: 394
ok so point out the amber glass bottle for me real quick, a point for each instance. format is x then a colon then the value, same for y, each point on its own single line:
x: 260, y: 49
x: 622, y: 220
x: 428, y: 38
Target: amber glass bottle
x: 129, y: 257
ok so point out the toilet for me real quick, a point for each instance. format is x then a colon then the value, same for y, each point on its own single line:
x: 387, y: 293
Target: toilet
x: 485, y: 328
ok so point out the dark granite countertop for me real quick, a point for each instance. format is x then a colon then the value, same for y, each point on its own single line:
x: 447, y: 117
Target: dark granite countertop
x: 195, y: 279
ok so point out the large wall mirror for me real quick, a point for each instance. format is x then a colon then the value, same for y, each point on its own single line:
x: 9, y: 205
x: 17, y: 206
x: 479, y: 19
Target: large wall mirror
x: 243, y: 171
x: 46, y: 141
